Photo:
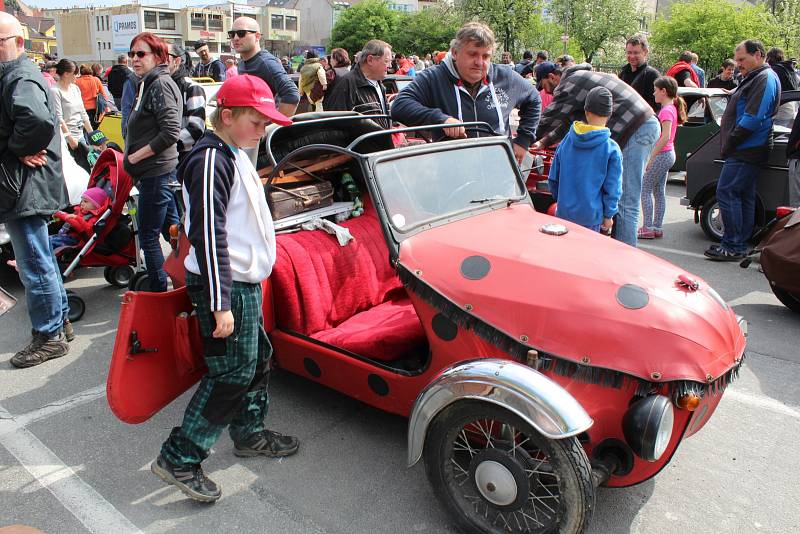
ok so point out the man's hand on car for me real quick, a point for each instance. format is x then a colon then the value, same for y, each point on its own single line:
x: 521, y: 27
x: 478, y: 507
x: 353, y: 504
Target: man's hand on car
x: 457, y: 132
x: 519, y: 152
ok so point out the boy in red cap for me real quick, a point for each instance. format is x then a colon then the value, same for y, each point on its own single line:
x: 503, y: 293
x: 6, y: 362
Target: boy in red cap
x: 232, y: 239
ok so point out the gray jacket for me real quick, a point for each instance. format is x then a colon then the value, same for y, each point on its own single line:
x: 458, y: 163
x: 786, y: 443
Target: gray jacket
x: 156, y: 121
x: 28, y: 126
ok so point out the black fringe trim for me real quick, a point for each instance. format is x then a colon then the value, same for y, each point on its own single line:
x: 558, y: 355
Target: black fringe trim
x: 545, y: 361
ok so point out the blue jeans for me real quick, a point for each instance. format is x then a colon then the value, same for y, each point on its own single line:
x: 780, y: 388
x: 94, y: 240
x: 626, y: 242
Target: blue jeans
x: 155, y: 199
x: 634, y: 160
x: 736, y: 194
x: 38, y: 271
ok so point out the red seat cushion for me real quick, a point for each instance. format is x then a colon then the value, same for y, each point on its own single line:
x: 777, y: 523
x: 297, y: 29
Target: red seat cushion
x: 320, y: 286
x: 386, y: 332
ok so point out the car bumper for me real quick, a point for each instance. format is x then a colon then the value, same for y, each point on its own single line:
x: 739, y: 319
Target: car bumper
x: 742, y: 324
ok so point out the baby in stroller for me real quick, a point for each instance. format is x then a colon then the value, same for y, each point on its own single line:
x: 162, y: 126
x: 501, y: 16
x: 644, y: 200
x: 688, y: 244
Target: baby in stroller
x: 78, y: 224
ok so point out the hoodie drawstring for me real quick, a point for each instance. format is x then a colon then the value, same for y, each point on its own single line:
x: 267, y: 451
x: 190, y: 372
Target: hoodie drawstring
x: 500, y: 122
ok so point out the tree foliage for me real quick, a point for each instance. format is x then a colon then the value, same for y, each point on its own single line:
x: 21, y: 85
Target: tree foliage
x: 787, y: 26
x: 370, y: 19
x: 710, y: 28
x: 425, y: 31
x: 594, y: 24
x: 508, y: 18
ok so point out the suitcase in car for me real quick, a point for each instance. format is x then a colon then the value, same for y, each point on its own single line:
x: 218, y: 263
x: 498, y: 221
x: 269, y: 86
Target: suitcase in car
x: 289, y: 199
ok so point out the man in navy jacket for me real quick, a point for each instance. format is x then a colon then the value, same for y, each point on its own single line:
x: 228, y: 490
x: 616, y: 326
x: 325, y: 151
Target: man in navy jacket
x: 746, y: 138
x: 466, y: 87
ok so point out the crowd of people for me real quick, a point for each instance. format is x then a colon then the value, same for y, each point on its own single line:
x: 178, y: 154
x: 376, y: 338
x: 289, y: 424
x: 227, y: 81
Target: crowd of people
x: 614, y: 135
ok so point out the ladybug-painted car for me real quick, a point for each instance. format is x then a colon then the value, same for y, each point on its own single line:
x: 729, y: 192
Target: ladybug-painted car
x: 535, y: 360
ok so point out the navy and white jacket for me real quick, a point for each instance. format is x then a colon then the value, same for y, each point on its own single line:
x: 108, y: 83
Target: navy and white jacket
x: 746, y: 129
x: 227, y: 220
x: 437, y: 94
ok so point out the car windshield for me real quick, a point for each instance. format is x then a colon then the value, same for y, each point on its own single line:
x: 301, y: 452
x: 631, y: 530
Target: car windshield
x: 419, y: 188
x: 718, y: 104
x: 402, y: 84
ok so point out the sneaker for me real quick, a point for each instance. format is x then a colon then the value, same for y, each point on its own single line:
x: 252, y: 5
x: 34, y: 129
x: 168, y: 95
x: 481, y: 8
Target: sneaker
x: 645, y: 233
x: 41, y: 348
x: 658, y: 234
x: 721, y: 254
x: 69, y: 333
x: 190, y: 479
x: 266, y: 443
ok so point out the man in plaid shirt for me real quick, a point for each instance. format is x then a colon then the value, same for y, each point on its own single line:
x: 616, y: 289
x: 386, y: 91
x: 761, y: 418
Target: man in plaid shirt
x: 633, y: 126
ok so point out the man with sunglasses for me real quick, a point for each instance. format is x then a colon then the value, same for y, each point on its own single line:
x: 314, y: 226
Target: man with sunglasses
x: 245, y: 38
x: 32, y: 188
x: 208, y: 66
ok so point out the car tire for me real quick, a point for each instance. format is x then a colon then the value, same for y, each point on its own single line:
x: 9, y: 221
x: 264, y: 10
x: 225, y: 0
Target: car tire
x: 550, y: 477
x: 711, y: 219
x: 787, y: 298
x: 77, y: 307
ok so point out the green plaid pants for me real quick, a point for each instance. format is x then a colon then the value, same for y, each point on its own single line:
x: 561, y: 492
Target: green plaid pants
x: 234, y: 392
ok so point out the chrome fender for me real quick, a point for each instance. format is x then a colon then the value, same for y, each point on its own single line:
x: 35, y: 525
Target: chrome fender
x: 529, y: 394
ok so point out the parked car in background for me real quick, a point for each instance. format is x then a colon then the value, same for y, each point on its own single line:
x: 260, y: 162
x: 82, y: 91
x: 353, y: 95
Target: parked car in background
x: 702, y: 172
x: 704, y: 113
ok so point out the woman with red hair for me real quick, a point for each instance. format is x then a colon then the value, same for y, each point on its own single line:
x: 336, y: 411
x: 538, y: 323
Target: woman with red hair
x: 151, y: 153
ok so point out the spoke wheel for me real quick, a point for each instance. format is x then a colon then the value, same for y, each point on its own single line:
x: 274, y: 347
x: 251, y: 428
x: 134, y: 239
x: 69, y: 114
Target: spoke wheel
x: 495, y: 473
x: 711, y: 219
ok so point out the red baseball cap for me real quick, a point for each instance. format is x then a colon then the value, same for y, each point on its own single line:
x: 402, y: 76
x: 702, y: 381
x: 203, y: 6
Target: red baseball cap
x: 249, y: 91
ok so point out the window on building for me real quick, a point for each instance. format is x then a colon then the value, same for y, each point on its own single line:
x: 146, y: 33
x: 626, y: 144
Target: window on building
x: 276, y: 22
x: 215, y: 23
x: 198, y: 21
x: 150, y: 20
x: 236, y: 15
x: 226, y: 48
x: 166, y: 21
x: 97, y: 20
x: 108, y: 26
x: 291, y: 24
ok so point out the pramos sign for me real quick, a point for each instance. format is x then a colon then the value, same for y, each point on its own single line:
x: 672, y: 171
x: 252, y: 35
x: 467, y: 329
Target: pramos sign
x: 123, y: 29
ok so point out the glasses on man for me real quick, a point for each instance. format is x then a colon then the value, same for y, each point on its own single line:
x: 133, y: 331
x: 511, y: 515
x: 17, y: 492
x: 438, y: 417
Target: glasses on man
x: 138, y: 53
x: 239, y: 33
x: 4, y: 39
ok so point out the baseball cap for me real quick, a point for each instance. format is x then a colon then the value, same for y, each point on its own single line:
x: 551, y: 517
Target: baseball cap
x: 200, y: 44
x: 249, y: 91
x: 96, y: 138
x: 544, y: 68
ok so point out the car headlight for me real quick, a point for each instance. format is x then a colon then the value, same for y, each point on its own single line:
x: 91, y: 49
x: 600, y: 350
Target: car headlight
x: 647, y: 426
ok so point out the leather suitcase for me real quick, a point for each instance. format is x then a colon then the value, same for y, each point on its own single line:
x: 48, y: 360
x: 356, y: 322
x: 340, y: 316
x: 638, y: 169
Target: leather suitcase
x: 286, y: 200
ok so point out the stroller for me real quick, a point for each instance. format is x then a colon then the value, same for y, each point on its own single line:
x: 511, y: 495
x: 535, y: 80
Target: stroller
x: 113, y: 243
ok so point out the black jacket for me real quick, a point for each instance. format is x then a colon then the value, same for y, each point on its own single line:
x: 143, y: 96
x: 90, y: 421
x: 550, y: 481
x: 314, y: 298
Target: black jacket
x: 793, y: 146
x: 353, y: 92
x: 155, y: 120
x: 116, y: 79
x: 786, y: 75
x: 642, y: 80
x: 28, y: 126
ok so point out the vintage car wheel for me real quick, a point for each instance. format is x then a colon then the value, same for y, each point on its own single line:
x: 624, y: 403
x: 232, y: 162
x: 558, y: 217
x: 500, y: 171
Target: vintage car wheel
x: 787, y: 298
x: 494, y: 473
x: 711, y: 219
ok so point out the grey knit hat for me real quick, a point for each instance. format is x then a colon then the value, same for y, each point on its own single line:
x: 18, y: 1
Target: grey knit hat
x: 599, y: 102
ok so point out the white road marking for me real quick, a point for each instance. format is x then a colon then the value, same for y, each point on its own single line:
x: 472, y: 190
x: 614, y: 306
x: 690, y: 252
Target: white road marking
x: 755, y: 297
x: 78, y: 497
x: 670, y: 251
x: 765, y: 403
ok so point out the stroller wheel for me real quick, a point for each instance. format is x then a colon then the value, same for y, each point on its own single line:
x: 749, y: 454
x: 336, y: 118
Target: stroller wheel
x: 139, y: 282
x: 77, y: 307
x: 119, y: 276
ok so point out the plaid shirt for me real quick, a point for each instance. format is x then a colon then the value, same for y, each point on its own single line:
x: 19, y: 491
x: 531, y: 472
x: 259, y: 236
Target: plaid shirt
x: 630, y: 110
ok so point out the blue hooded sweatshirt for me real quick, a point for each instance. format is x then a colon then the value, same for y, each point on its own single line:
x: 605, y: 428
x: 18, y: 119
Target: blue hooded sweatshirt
x: 586, y: 175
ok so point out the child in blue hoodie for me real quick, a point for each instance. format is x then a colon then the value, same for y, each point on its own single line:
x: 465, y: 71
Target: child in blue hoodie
x: 586, y: 174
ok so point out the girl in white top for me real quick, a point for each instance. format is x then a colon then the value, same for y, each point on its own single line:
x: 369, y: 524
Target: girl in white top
x: 70, y: 112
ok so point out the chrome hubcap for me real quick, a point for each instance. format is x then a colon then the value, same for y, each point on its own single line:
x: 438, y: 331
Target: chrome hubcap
x: 495, y: 483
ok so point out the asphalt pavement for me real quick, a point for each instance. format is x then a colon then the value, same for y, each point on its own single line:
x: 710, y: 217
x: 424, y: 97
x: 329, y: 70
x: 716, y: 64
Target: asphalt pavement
x: 68, y: 465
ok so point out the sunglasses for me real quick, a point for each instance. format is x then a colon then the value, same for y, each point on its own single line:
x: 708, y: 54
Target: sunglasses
x: 139, y: 53
x: 239, y: 33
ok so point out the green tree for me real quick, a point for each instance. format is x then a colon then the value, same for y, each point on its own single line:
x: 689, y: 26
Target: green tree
x: 370, y: 19
x: 507, y: 18
x: 595, y: 24
x: 787, y: 25
x: 710, y: 28
x: 425, y: 31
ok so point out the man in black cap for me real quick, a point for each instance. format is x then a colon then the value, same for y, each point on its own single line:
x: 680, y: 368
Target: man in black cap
x: 208, y: 67
x: 548, y: 76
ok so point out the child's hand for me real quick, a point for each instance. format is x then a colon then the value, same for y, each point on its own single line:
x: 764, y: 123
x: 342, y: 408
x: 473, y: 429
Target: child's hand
x: 605, y: 228
x: 224, y: 320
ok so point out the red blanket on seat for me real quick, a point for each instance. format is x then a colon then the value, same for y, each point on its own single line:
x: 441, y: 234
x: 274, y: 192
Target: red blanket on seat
x: 349, y: 297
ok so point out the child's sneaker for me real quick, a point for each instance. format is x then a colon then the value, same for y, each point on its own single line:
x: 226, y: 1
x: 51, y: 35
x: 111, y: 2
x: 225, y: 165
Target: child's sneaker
x: 266, y: 443
x: 658, y: 234
x: 645, y: 233
x: 190, y: 479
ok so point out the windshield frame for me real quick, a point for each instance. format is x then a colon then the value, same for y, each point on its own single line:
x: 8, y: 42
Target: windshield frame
x: 398, y: 235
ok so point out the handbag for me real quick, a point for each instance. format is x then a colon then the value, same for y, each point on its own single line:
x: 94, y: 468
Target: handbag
x: 11, y: 184
x: 317, y: 92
